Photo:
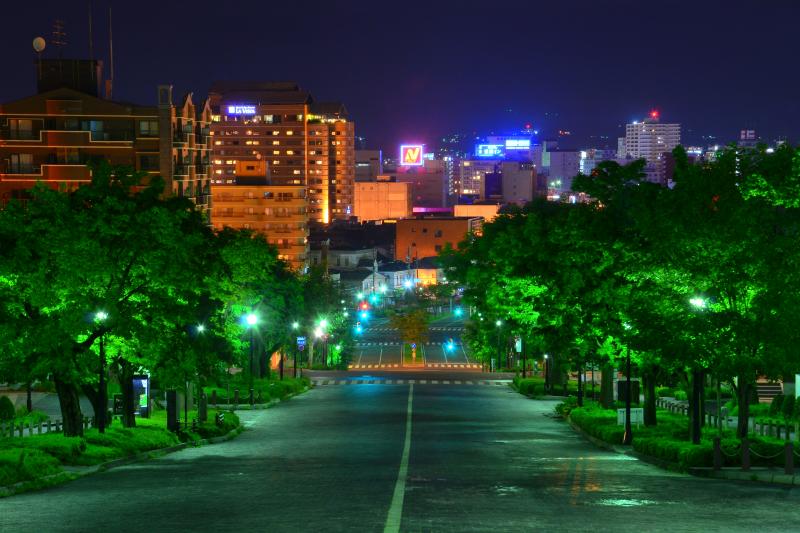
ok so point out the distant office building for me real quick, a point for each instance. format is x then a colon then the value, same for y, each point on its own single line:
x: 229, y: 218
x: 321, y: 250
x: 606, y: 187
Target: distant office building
x: 518, y: 182
x: 278, y: 127
x: 426, y: 237
x: 649, y: 140
x: 748, y: 139
x: 369, y: 164
x: 279, y: 212
x: 563, y: 166
x: 472, y: 176
x: 383, y: 199
x: 429, y: 186
x: 55, y: 135
x: 487, y: 212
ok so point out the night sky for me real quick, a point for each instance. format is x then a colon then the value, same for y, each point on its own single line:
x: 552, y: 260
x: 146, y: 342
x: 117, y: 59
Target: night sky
x: 418, y: 70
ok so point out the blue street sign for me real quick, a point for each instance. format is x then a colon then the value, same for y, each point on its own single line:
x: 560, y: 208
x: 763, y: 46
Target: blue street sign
x: 301, y: 342
x: 413, y: 344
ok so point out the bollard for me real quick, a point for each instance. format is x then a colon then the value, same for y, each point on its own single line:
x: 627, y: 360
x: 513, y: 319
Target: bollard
x: 49, y: 426
x: 235, y: 396
x: 214, y: 397
x: 717, y: 454
x: 252, y: 398
x: 40, y: 428
x: 788, y: 465
x: 202, y: 408
x: 745, y: 454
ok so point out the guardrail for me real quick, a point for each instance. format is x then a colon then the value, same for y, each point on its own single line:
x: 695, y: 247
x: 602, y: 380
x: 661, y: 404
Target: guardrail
x: 11, y: 429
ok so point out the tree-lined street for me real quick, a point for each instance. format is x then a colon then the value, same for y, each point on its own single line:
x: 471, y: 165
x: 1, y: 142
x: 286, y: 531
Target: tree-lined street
x: 482, y: 458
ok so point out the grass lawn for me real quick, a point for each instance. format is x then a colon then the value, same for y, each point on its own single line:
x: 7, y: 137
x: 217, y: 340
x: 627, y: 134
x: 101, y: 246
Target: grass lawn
x: 29, y: 459
x: 263, y: 389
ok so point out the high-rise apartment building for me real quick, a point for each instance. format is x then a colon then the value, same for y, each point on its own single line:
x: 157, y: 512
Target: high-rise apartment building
x: 56, y: 135
x: 277, y: 127
x: 369, y: 164
x: 276, y: 211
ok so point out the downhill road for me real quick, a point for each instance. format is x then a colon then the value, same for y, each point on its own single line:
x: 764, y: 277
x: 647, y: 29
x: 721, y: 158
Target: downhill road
x: 401, y: 457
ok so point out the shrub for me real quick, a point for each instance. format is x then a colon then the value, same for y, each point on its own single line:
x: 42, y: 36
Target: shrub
x: 7, y: 411
x: 529, y: 386
x: 211, y: 429
x: 63, y: 448
x: 665, y: 392
x: 564, y: 408
x: 18, y: 464
x: 599, y: 423
x: 682, y: 453
x: 680, y: 395
x: 775, y: 405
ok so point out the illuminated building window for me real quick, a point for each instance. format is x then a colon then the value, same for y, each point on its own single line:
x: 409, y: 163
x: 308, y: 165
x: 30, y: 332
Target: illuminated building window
x: 249, y: 132
x: 230, y: 162
x: 290, y: 132
x: 269, y: 119
x: 275, y: 143
x: 218, y: 161
x: 276, y: 162
x: 319, y: 162
x: 218, y: 171
x: 289, y: 152
x: 276, y: 132
x: 217, y: 143
x: 295, y: 172
x: 300, y: 118
x: 215, y: 118
x: 276, y: 152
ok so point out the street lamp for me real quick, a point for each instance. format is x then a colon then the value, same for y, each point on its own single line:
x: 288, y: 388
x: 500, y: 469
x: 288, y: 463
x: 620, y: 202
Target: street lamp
x: 699, y: 303
x: 295, y: 327
x: 251, y: 319
x: 546, y: 373
x: 101, y: 316
x: 499, y: 324
x: 200, y: 328
x: 695, y: 415
x: 627, y: 438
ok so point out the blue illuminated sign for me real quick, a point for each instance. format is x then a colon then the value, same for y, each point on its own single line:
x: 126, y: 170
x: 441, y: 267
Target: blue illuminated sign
x: 241, y: 110
x: 489, y: 150
x: 518, y: 144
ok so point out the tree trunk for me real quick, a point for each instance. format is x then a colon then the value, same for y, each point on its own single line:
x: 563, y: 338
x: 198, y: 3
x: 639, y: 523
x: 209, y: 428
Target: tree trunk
x: 70, y: 404
x: 649, y: 380
x: 607, y: 386
x: 695, y: 406
x: 28, y: 398
x: 94, y: 398
x: 744, y: 407
x: 128, y: 401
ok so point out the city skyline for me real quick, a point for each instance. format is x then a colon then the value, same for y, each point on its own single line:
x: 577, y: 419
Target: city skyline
x: 430, y: 71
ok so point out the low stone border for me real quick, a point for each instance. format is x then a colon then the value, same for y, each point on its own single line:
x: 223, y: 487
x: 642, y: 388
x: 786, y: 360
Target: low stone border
x: 74, y: 472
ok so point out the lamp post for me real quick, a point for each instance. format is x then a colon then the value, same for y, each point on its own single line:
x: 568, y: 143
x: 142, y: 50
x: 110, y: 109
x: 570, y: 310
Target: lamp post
x: 101, y: 316
x: 546, y: 374
x: 295, y: 327
x: 627, y: 438
x: 699, y: 304
x: 251, y: 319
x: 499, y: 324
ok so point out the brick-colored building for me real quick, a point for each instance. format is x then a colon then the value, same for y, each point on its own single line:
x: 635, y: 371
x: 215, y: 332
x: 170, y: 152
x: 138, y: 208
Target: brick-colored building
x: 426, y: 237
x: 53, y: 136
x: 279, y: 212
x: 299, y: 142
x: 383, y: 199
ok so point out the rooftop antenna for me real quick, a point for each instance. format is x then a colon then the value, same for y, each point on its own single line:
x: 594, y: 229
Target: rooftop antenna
x: 59, y: 36
x: 110, y: 80
x: 91, y: 40
x: 39, y: 45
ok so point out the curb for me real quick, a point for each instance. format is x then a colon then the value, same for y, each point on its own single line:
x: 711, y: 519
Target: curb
x: 70, y: 475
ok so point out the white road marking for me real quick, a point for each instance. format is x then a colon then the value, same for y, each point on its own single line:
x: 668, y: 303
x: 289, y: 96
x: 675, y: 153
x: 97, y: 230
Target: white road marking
x: 445, y: 353
x: 464, y: 352
x: 359, y: 357
x: 380, y: 356
x: 396, y: 508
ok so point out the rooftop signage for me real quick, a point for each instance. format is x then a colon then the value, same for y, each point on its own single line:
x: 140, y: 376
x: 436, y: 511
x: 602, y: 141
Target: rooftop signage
x: 411, y: 155
x: 240, y: 109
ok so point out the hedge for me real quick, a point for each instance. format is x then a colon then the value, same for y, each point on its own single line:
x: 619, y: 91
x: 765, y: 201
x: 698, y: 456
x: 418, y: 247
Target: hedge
x: 19, y: 464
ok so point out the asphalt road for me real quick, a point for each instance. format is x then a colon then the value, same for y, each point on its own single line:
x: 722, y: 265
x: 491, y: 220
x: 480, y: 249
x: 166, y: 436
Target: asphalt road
x: 421, y: 457
x: 380, y: 346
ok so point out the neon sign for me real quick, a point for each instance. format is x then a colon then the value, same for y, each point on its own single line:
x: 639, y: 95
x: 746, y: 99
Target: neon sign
x: 518, y: 144
x: 489, y: 150
x: 411, y: 155
x: 241, y: 110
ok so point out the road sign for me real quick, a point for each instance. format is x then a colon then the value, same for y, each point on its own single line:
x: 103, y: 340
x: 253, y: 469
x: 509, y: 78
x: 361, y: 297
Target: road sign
x: 637, y: 416
x: 413, y: 345
x: 301, y: 343
x: 518, y: 344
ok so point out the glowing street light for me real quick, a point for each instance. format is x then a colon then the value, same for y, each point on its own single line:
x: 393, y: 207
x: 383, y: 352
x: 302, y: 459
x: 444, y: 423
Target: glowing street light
x: 407, y: 284
x: 458, y: 311
x: 200, y: 328
x: 360, y: 296
x: 323, y: 323
x: 295, y: 325
x: 251, y: 319
x: 699, y: 303
x: 498, y: 323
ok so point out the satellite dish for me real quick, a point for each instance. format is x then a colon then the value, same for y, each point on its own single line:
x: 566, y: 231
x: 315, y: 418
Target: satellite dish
x: 39, y: 44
